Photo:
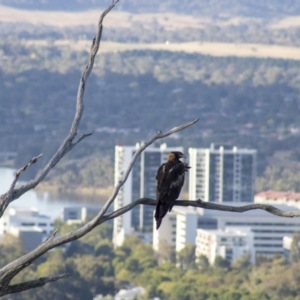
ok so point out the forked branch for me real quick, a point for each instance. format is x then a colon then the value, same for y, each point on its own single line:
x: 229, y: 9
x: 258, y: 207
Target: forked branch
x: 68, y: 143
x: 11, y: 270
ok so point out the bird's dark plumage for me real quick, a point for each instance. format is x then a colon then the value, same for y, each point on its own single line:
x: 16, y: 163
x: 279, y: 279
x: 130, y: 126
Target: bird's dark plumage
x: 169, y: 181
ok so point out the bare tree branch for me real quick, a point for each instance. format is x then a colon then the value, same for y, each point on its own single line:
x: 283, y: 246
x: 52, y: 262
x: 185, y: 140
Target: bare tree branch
x: 27, y: 285
x: 83, y: 136
x: 13, y: 268
x: 67, y: 144
x: 207, y: 205
x: 8, y: 272
x: 6, y: 200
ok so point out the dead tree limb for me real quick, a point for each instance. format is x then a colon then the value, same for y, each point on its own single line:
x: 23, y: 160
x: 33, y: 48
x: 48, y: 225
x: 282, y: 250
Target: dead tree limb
x: 68, y: 143
x: 8, y: 272
x: 207, y: 205
x: 11, y: 270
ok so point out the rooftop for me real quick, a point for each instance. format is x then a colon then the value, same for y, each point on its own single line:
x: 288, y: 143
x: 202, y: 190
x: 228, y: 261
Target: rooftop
x: 273, y: 195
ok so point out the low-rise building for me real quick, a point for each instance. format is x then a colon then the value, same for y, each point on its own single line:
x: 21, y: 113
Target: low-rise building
x: 230, y: 244
x: 30, y: 237
x: 267, y: 228
x: 180, y: 228
x: 78, y: 214
x: 22, y: 218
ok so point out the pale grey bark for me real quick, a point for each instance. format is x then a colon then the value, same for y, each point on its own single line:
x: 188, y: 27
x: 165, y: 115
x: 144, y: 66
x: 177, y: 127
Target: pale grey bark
x: 12, y: 269
x: 69, y: 142
x: 207, y: 205
x: 8, y: 272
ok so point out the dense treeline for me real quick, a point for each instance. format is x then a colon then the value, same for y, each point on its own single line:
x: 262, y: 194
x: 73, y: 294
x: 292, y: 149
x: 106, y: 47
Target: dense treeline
x: 97, y: 268
x: 244, y: 101
x: 163, y: 65
x: 155, y: 32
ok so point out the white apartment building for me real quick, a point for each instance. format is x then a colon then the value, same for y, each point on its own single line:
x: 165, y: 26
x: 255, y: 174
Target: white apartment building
x: 140, y: 183
x: 230, y: 244
x: 178, y: 229
x: 273, y: 197
x: 222, y: 174
x: 166, y: 234
x: 186, y: 226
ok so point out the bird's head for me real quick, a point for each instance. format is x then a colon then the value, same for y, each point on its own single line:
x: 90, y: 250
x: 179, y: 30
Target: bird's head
x: 175, y: 155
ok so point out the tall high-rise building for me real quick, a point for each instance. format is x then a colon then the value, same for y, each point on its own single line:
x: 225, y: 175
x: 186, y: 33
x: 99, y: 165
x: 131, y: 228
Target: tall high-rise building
x: 140, y: 183
x: 222, y: 174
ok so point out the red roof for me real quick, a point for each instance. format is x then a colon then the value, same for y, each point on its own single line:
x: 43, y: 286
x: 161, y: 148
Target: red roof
x: 273, y: 195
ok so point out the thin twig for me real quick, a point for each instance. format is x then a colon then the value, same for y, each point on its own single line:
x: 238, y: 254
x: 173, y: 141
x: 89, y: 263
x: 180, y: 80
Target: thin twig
x: 4, y: 201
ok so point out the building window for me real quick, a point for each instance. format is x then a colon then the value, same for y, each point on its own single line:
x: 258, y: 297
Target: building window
x: 27, y: 224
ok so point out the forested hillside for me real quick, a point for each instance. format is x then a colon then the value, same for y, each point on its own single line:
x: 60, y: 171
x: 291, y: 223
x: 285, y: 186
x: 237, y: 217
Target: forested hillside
x: 248, y: 102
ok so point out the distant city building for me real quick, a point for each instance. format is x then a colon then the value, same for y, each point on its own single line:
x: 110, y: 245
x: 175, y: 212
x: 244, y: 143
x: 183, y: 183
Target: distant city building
x: 78, y: 214
x: 230, y: 244
x: 166, y: 233
x: 222, y: 174
x: 26, y: 224
x: 177, y: 229
x: 273, y: 197
x: 140, y: 183
x: 186, y: 226
x: 268, y: 229
x: 30, y: 237
x: 180, y: 228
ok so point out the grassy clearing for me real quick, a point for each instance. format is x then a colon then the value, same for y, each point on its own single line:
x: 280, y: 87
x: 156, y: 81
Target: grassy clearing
x: 120, y: 19
x: 213, y: 49
x: 168, y: 21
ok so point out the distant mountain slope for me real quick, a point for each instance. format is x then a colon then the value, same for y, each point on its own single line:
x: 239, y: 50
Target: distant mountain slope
x: 217, y: 8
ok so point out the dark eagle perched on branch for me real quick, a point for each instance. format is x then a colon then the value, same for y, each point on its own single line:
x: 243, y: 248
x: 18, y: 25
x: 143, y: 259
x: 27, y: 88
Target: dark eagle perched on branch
x: 169, y: 181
